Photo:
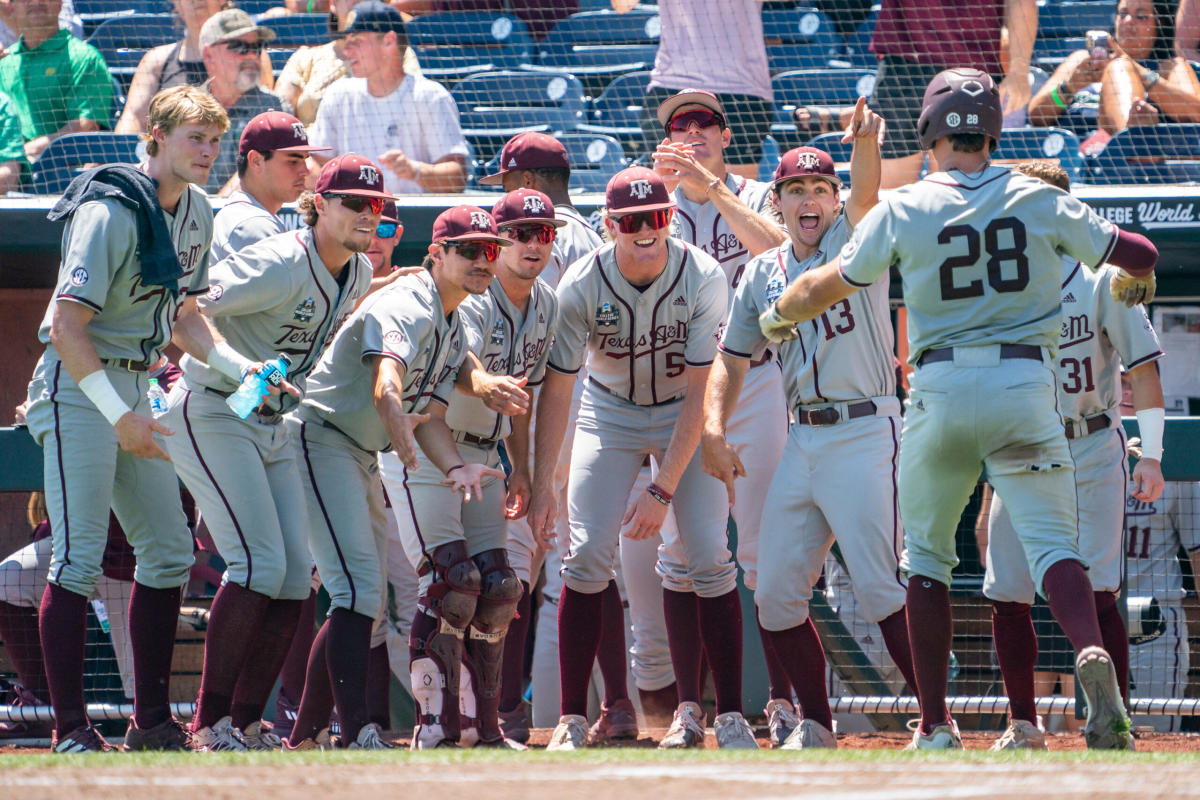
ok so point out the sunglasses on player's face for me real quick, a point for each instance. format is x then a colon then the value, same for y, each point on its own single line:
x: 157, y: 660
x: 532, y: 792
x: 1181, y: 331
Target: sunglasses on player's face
x: 523, y: 233
x: 240, y: 48
x: 473, y: 250
x: 356, y: 202
x: 702, y: 117
x: 632, y: 223
x: 386, y: 230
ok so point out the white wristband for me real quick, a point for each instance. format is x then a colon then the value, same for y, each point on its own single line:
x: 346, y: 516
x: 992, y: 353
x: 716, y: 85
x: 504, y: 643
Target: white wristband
x: 229, y: 362
x: 1151, y: 422
x: 100, y: 391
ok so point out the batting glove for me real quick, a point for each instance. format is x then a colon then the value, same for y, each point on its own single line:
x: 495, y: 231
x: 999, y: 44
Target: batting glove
x: 1129, y: 290
x: 775, y: 327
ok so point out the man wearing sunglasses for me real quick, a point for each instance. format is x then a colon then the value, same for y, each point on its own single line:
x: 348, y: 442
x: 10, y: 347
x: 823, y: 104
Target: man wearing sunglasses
x: 643, y: 312
x: 286, y: 294
x: 231, y: 45
x: 385, y: 382
x: 272, y: 167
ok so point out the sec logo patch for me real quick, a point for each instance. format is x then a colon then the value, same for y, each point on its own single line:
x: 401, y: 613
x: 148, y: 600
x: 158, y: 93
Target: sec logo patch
x: 215, y: 291
x: 393, y: 337
x: 79, y: 276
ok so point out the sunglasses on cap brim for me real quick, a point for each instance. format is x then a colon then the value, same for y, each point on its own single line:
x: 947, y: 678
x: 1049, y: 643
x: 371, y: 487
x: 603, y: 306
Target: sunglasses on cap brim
x: 387, y: 229
x: 357, y: 202
x: 703, y: 117
x: 632, y: 223
x: 473, y: 250
x: 523, y: 233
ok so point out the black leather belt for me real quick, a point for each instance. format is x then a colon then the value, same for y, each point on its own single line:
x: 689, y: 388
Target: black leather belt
x: 829, y: 416
x: 1089, y: 425
x: 262, y: 412
x: 1030, y: 351
x: 129, y: 364
x: 478, y: 441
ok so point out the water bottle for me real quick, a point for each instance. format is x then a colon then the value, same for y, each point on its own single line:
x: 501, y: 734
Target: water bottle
x: 250, y: 394
x: 157, y: 398
x: 101, y: 614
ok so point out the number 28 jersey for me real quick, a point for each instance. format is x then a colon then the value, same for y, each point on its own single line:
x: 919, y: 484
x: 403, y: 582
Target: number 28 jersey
x: 978, y: 255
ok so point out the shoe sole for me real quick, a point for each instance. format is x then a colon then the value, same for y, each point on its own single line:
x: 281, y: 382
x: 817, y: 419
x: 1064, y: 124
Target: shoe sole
x: 1107, y: 726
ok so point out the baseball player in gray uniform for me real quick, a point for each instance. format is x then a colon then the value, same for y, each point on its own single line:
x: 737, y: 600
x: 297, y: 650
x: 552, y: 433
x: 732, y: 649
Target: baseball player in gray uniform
x: 272, y: 167
x: 286, y: 294
x: 841, y: 383
x: 1099, y: 335
x: 643, y: 312
x: 983, y: 305
x: 732, y: 219
x: 135, y: 257
x: 387, y: 378
x: 508, y: 329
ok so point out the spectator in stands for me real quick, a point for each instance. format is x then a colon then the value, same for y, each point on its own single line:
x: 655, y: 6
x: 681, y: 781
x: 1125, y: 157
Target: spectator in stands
x: 539, y: 15
x: 57, y: 83
x: 916, y: 39
x: 174, y: 64
x: 232, y: 44
x: 12, y: 147
x: 67, y: 18
x: 1137, y: 80
x: 716, y: 45
x: 1187, y: 30
x: 408, y: 123
x: 310, y: 70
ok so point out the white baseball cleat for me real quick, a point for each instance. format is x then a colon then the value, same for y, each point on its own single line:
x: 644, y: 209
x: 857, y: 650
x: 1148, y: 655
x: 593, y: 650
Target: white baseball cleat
x: 781, y: 720
x: 259, y: 735
x: 571, y: 733
x: 810, y: 735
x: 942, y: 737
x: 1020, y: 735
x: 733, y: 732
x: 1108, y: 726
x: 687, y: 728
x: 430, y: 737
x: 221, y: 736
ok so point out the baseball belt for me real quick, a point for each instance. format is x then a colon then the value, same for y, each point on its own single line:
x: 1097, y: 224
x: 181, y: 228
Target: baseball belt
x: 478, y: 441
x: 1030, y: 351
x: 128, y: 364
x: 818, y: 417
x: 1079, y: 428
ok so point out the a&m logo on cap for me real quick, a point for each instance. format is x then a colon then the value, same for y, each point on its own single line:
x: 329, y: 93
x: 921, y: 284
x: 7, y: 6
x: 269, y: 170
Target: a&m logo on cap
x: 534, y: 205
x: 480, y: 221
x: 809, y: 161
x: 368, y: 173
x: 298, y: 129
x: 639, y: 189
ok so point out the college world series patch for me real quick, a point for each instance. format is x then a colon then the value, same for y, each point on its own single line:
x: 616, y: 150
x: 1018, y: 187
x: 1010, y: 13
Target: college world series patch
x: 607, y: 315
x: 305, y: 311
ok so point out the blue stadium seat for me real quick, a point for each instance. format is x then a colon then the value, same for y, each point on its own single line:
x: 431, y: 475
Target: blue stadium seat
x: 1167, y: 153
x: 1049, y: 53
x: 452, y: 46
x: 856, y: 52
x: 67, y: 156
x: 593, y: 158
x: 832, y: 143
x: 769, y: 161
x: 822, y: 87
x: 618, y: 108
x: 1057, y: 145
x: 124, y: 40
x: 297, y: 30
x: 94, y: 13
x: 494, y: 106
x: 596, y: 46
x: 256, y: 8
x: 1060, y: 20
x: 798, y: 38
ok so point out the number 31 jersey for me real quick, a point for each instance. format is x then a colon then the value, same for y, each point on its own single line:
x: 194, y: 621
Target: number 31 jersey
x: 978, y: 254
x: 1098, y: 335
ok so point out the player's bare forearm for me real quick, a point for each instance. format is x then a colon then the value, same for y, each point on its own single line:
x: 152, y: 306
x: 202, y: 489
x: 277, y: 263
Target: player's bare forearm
x: 387, y: 395
x: 553, y: 411
x: 194, y: 333
x: 503, y: 394
x: 437, y: 440
x: 68, y: 335
x: 517, y: 442
x: 813, y: 293
x: 686, y: 435
x: 1021, y: 19
x: 448, y: 176
x: 1146, y: 386
x: 866, y: 168
x: 753, y: 230
x: 721, y: 392
x: 982, y: 520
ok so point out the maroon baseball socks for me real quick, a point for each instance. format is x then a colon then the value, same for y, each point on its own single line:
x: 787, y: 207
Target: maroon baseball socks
x: 1016, y: 651
x: 930, y: 627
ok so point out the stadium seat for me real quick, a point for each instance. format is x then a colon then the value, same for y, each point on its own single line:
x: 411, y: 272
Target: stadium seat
x: 856, y: 51
x: 68, y: 155
x: 1060, y: 20
x: 1056, y: 145
x: 618, y: 108
x: 1049, y: 53
x: 593, y: 158
x: 297, y: 30
x: 124, y: 40
x: 832, y: 143
x: 94, y: 13
x: 822, y: 87
x: 493, y: 106
x: 798, y: 38
x: 597, y: 46
x: 452, y: 46
x: 769, y: 161
x: 1167, y: 153
x: 256, y: 8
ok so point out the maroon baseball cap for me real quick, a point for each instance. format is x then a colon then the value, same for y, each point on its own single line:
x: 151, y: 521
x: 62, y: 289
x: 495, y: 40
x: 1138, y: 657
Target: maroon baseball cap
x: 466, y: 223
x: 529, y: 151
x: 636, y: 189
x: 802, y: 162
x: 525, y: 205
x: 688, y: 97
x: 390, y: 214
x: 276, y: 131
x: 351, y: 174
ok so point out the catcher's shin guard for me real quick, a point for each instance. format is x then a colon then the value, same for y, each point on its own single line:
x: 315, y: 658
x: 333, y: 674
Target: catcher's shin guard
x: 436, y: 643
x: 499, y: 593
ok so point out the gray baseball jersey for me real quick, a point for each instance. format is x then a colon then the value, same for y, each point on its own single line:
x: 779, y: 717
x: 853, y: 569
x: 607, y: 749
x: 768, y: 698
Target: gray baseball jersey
x: 277, y: 296
x: 507, y: 342
x: 403, y: 321
x: 101, y: 270
x: 637, y: 344
x: 702, y: 224
x: 242, y: 222
x: 986, y: 276
x: 1155, y: 532
x: 826, y: 363
x: 572, y: 242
